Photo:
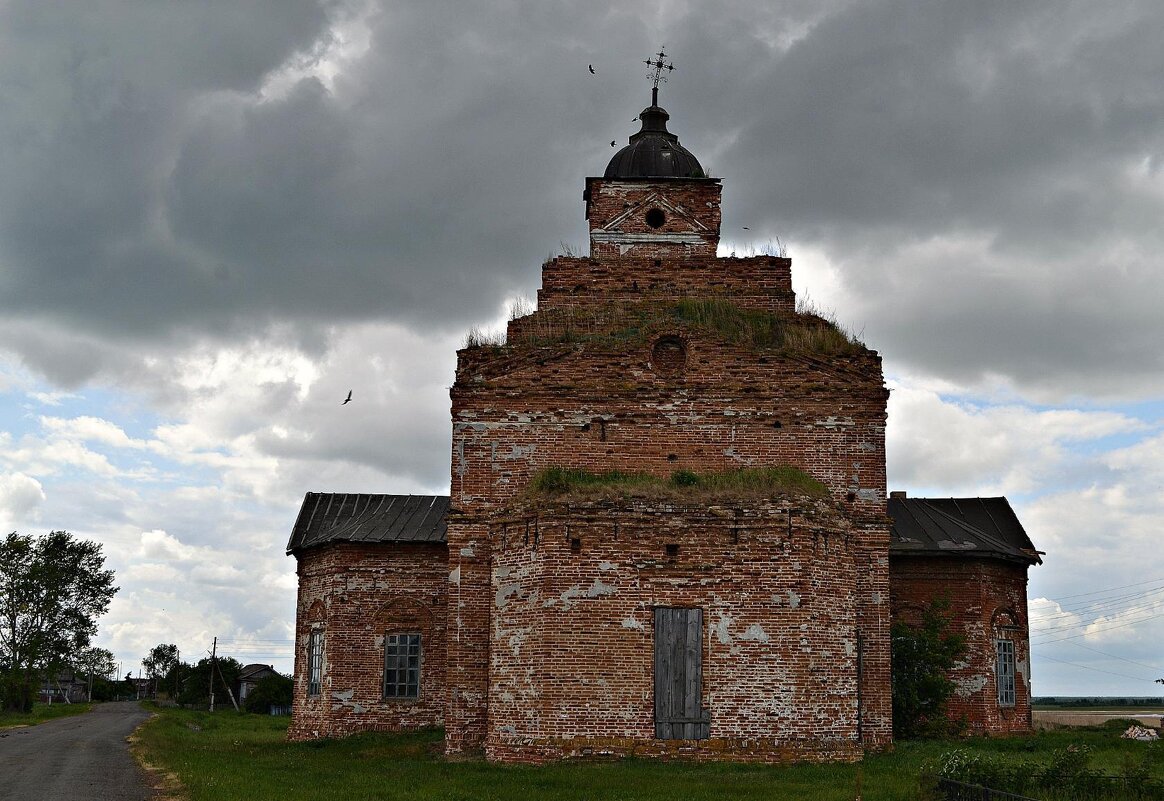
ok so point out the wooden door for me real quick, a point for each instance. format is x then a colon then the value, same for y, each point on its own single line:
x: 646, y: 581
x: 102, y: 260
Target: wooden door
x: 679, y: 714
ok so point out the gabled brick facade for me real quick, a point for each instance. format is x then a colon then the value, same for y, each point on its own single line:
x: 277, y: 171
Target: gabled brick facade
x: 543, y: 620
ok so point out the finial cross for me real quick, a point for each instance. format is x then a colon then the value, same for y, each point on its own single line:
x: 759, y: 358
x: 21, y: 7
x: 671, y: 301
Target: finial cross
x: 655, y: 73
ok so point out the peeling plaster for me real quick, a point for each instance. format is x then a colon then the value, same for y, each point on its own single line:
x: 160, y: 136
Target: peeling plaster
x: 631, y: 623
x: 598, y: 588
x: 969, y: 686
x: 835, y: 422
x: 468, y: 552
x: 605, y: 566
x: 755, y: 633
x: 501, y: 599
x: 721, y: 629
x: 345, y: 699
x: 455, y: 575
x: 1022, y: 668
x: 870, y: 495
x: 793, y: 600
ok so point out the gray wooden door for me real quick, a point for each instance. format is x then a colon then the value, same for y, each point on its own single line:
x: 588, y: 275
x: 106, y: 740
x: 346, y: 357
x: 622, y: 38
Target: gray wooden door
x: 679, y: 675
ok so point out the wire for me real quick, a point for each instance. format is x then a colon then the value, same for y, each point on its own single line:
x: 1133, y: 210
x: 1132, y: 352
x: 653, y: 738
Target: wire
x: 1097, y: 670
x: 1108, y: 628
x: 1113, y: 656
x: 1095, y: 605
x: 1112, y: 614
x: 1110, y: 589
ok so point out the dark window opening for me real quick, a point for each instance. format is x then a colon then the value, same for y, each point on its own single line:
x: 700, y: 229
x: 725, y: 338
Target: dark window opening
x: 1005, y: 672
x: 575, y: 545
x: 402, y: 666
x: 655, y: 218
x: 672, y: 549
x: 315, y: 662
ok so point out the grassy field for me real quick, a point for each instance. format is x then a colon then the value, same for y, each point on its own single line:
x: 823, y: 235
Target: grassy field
x: 40, y: 713
x: 227, y: 756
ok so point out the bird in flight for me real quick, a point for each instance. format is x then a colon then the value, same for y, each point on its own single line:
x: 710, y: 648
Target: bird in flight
x: 348, y: 399
x: 746, y: 228
x: 591, y: 68
x: 612, y: 143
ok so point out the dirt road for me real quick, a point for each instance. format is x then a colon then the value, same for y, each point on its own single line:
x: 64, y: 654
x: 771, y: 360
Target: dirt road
x: 81, y: 758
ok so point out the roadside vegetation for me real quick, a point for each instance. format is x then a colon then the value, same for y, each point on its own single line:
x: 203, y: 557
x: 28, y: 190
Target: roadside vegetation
x: 226, y: 756
x: 40, y: 713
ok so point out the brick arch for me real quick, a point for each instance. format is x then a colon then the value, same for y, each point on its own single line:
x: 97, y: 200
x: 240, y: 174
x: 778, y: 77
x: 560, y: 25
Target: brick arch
x: 404, y: 611
x: 1004, y: 618
x: 316, y: 613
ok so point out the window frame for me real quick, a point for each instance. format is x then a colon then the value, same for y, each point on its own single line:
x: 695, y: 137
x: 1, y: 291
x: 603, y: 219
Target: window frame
x: 1004, y: 670
x: 315, y: 663
x: 403, y: 655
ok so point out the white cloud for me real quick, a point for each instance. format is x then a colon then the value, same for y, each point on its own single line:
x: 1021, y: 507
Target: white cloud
x: 20, y: 496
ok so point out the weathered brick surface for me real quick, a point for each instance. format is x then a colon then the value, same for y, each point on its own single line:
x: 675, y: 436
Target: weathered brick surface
x: 586, y: 382
x: 618, y: 215
x: 355, y: 594
x: 572, y: 627
x: 988, y: 600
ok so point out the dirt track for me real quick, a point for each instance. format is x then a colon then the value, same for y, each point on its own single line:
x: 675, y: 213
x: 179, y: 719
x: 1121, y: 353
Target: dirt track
x: 1047, y: 719
x: 80, y: 758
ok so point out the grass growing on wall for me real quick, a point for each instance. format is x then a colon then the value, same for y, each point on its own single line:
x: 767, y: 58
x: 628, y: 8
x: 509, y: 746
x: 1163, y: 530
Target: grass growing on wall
x: 803, y: 332
x: 682, y: 484
x: 231, y: 757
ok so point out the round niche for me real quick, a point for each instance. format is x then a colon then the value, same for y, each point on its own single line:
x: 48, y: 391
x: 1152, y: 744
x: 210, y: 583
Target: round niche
x: 669, y: 356
x: 655, y: 218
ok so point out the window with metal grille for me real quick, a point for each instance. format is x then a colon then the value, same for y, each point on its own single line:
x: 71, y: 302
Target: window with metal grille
x: 314, y: 662
x: 1005, y: 672
x: 402, y: 666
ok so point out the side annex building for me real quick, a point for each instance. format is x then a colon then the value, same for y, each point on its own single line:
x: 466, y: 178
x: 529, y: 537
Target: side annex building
x: 668, y: 530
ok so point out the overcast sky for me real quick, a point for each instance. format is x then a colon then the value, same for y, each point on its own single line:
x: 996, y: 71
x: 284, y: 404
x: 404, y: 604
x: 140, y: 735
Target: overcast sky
x: 217, y: 218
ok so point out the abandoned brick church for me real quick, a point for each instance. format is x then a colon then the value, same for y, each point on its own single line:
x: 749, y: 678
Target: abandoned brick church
x: 668, y: 531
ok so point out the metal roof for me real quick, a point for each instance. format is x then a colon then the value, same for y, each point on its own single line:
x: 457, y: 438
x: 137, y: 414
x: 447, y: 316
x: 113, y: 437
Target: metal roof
x: 327, y: 517
x: 654, y: 152
x: 959, y: 527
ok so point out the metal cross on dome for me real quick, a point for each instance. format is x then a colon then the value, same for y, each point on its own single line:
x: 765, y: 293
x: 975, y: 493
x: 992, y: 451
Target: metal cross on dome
x: 655, y: 73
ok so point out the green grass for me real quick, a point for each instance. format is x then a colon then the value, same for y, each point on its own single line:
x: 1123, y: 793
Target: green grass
x: 40, y: 713
x: 799, y: 332
x: 758, y: 482
x: 226, y: 756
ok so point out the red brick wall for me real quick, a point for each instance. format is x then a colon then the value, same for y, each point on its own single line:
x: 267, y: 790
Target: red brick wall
x: 603, y: 401
x: 354, y: 594
x: 617, y: 211
x: 572, y: 641
x: 988, y: 598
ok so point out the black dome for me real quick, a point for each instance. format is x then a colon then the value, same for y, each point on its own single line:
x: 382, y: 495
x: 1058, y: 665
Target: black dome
x: 654, y: 152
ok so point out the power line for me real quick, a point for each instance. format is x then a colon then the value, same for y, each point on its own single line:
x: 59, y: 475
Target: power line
x: 1110, y: 589
x: 1097, y: 670
x: 1108, y: 628
x: 1098, y: 604
x: 1111, y: 614
x: 1113, y: 656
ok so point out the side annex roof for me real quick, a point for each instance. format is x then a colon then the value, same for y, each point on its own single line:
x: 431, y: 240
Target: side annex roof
x: 959, y: 527
x: 328, y: 517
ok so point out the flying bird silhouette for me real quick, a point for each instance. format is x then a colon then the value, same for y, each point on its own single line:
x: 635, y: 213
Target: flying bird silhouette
x: 612, y: 143
x: 746, y: 228
x: 591, y: 68
x: 348, y: 399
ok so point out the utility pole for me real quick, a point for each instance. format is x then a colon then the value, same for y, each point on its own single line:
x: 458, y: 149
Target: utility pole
x: 177, y: 671
x: 213, y: 665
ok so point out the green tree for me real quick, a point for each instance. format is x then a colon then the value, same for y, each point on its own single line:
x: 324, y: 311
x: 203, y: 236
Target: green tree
x: 162, y: 659
x: 923, y: 656
x: 97, y: 665
x: 196, y: 681
x: 52, y: 591
x: 273, y: 690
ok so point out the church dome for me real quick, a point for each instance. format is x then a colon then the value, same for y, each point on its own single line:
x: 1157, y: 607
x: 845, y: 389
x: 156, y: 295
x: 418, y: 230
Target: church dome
x: 654, y: 152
